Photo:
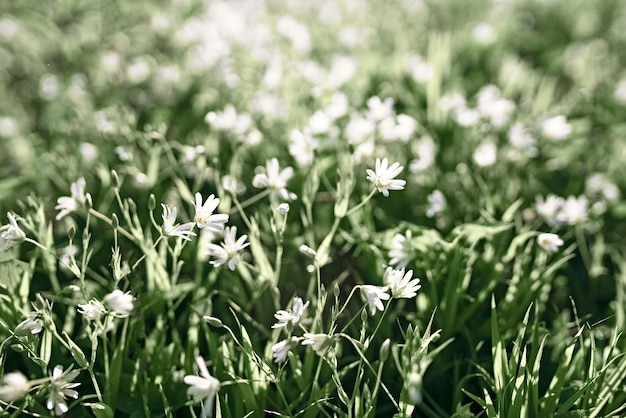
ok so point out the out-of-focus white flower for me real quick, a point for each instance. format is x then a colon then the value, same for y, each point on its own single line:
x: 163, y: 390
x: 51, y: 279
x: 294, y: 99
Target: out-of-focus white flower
x: 573, y: 210
x: 11, y: 234
x: 298, y: 307
x: 49, y: 87
x: 384, y: 176
x: 420, y: 70
x: 485, y: 155
x: 466, y: 117
x: 364, y: 151
x: 224, y: 120
x: 302, y: 147
x: 483, y: 33
x: 549, y: 207
x: 92, y: 310
x: 172, y: 229
x: 374, y: 295
x: 522, y: 140
x: 400, y: 128
x: 124, y: 153
x: 436, y: 203
x: 61, y: 388
x: 139, y: 70
x: 549, y: 242
x: 14, y: 386
x: 89, y: 152
x: 283, y: 209
x: 228, y: 250
x: 598, y: 184
x: 359, y: 129
x: 203, y: 387
x: 319, y: 123
x: 31, y: 325
x: 341, y: 70
x: 425, y: 155
x: 204, y: 217
x: 320, y: 343
x: 120, y: 302
x: 401, y: 248
x: 401, y: 283
x: 556, y: 128
x: 452, y: 102
x: 275, y: 179
x: 232, y: 185
x: 296, y: 32
x: 491, y: 105
x: 281, y: 349
x: 8, y: 127
x: 378, y: 109
x: 338, y: 106
x: 69, y: 204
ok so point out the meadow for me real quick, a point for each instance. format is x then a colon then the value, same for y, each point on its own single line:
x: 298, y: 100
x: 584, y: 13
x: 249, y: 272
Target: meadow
x: 355, y: 208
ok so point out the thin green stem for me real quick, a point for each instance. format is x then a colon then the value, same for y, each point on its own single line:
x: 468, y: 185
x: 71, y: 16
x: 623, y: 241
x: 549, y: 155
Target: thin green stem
x: 360, y: 205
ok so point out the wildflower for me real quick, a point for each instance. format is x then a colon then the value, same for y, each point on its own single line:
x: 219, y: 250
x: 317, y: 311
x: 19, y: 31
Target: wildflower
x: 61, y: 387
x: 573, y: 210
x: 14, y: 386
x: 204, y: 213
x: 281, y: 349
x: 31, y: 325
x: 384, y: 177
x: 203, y: 387
x: 420, y: 70
x: 120, y: 302
x: 302, y: 146
x: 620, y: 91
x: 556, y: 128
x: 426, y: 155
x: 293, y: 317
x: 436, y: 203
x: 522, y: 140
x: 401, y: 249
x: 485, y: 155
x: 228, y: 252
x: 69, y: 204
x: 375, y: 296
x: 92, y: 310
x: 378, y: 109
x: 232, y: 185
x: 401, y: 285
x: 10, y: 235
x: 549, y: 207
x: 320, y: 343
x: 549, y: 242
x: 283, y: 209
x: 319, y: 123
x: 175, y: 230
x: 359, y: 129
x: 275, y: 180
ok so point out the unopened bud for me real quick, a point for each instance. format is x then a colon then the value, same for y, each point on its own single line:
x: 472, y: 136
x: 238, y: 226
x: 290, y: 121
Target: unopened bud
x: 115, y: 179
x: 306, y: 250
x: 213, y: 321
x: 151, y: 202
x: 283, y: 209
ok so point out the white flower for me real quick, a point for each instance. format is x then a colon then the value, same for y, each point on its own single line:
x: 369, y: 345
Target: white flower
x: 549, y: 242
x: 549, y: 207
x: 384, y: 177
x: 10, y: 235
x: 61, y: 387
x: 319, y: 123
x: 425, y: 155
x: 275, y: 179
x: 320, y: 343
x: 120, y: 302
x: 375, y: 296
x: 204, y: 213
x: 620, y: 91
x: 281, y: 349
x: 436, y: 203
x: 293, y: 317
x: 31, y: 325
x: 486, y: 154
x: 232, y: 185
x: 466, y: 117
x: 483, y: 33
x: 401, y: 284
x: 359, y: 129
x: 378, y: 109
x: 302, y: 146
x: 92, y: 310
x: 401, y: 247
x: 283, y: 209
x: 522, y: 140
x: 573, y: 210
x: 14, y: 386
x: 420, y: 70
x: 203, y: 387
x: 228, y: 251
x: 556, y: 128
x: 66, y: 204
x: 171, y: 229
